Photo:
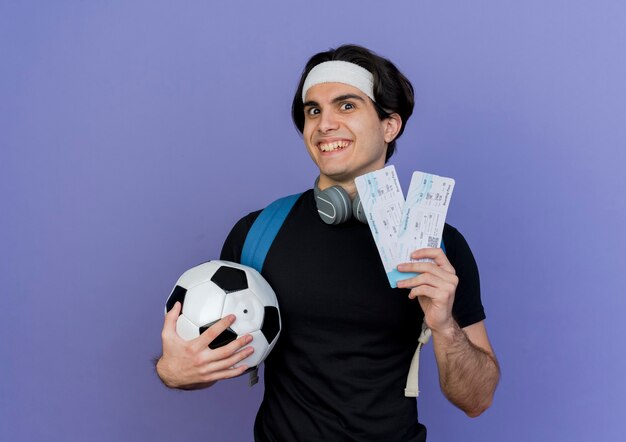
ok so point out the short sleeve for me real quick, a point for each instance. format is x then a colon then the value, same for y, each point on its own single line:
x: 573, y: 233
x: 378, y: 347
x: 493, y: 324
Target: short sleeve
x: 231, y: 250
x: 467, y: 308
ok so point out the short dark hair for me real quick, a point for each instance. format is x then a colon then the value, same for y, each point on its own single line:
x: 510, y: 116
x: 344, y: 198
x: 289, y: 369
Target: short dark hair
x: 393, y: 92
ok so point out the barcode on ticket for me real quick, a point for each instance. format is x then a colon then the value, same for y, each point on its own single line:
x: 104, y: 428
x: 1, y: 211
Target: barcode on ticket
x: 433, y: 242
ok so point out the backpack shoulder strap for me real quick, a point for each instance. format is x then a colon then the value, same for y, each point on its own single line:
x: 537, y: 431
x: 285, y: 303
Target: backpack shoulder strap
x: 260, y: 238
x: 263, y: 231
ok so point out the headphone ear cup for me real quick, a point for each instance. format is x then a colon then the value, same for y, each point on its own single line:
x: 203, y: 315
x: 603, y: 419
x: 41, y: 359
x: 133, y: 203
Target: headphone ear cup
x: 333, y: 205
x: 357, y: 210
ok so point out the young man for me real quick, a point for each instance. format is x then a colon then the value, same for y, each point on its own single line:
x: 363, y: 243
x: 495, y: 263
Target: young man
x: 339, y: 368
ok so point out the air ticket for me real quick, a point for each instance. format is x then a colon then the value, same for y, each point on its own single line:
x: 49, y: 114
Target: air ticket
x: 382, y: 200
x: 422, y: 216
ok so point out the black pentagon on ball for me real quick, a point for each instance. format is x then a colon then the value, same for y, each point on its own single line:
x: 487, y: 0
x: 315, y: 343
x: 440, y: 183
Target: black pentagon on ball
x: 271, y: 323
x: 178, y: 294
x: 224, y: 338
x: 230, y: 279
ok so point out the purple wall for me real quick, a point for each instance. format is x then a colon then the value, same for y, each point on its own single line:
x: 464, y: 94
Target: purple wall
x: 133, y: 135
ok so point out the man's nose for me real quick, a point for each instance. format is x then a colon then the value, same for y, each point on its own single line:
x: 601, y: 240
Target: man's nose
x: 328, y: 122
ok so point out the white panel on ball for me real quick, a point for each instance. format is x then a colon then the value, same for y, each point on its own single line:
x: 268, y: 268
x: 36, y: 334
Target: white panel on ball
x: 248, y: 310
x: 259, y: 343
x: 186, y: 329
x: 204, y: 303
x: 197, y: 275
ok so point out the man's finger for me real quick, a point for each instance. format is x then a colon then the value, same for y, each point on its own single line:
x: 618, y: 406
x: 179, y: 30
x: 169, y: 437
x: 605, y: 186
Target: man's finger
x: 424, y: 267
x: 436, y: 255
x: 421, y: 279
x: 423, y: 290
x: 230, y: 373
x: 227, y: 350
x: 215, y: 330
x: 233, y: 359
x: 171, y: 317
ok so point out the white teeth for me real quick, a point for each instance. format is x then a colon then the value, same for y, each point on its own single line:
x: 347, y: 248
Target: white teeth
x: 328, y: 147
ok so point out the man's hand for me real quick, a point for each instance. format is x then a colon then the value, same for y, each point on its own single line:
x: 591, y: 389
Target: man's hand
x: 434, y: 287
x: 191, y: 365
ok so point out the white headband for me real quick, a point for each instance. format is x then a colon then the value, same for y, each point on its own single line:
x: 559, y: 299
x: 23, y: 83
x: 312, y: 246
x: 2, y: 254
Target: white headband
x: 340, y: 72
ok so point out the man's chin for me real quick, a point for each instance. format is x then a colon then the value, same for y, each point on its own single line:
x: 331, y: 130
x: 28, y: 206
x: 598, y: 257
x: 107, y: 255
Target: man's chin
x: 332, y: 178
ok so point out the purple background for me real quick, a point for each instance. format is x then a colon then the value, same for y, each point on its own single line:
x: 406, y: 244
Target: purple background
x: 134, y: 134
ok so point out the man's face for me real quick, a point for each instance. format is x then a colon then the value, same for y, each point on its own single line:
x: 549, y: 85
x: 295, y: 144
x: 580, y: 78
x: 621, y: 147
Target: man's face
x: 343, y: 133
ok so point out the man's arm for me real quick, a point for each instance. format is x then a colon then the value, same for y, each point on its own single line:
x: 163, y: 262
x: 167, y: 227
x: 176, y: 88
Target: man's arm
x: 468, y: 369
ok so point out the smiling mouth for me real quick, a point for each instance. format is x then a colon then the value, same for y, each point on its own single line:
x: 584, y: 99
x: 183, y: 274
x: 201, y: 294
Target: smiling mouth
x: 333, y: 146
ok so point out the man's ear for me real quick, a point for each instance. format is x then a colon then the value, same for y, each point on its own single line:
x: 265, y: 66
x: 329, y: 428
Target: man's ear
x: 392, y: 125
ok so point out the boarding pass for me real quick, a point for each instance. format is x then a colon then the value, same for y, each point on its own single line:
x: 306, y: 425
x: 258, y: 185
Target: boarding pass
x: 400, y: 227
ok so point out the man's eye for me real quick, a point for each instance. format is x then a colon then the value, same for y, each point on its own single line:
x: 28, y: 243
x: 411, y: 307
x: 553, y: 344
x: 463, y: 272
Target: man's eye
x: 313, y: 111
x: 347, y: 106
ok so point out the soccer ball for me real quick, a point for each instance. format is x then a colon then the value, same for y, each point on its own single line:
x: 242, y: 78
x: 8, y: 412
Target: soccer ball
x: 215, y: 289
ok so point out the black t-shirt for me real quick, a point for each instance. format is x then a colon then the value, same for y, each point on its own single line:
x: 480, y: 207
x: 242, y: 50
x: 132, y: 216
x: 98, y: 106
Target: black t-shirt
x: 339, y: 368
